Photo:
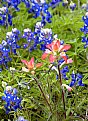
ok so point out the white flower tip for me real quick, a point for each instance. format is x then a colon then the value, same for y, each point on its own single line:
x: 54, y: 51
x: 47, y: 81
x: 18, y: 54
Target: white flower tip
x: 86, y: 14
x: 4, y: 84
x: 69, y: 60
x: 14, y: 29
x: 8, y: 34
x: 67, y: 87
x: 27, y: 30
x: 25, y: 69
x: 8, y: 88
x: 55, y: 36
x: 12, y: 69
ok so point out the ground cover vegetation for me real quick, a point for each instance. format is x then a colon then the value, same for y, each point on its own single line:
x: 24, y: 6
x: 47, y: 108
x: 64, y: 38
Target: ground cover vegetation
x: 43, y: 60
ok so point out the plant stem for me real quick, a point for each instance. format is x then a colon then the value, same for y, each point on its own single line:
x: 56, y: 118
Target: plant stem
x: 62, y: 91
x: 47, y: 72
x: 78, y: 4
x: 43, y: 94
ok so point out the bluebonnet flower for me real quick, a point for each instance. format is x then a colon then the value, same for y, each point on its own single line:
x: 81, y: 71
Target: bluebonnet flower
x: 85, y: 30
x: 38, y: 27
x: 76, y: 80
x: 40, y: 8
x: 62, y: 42
x: 6, y: 18
x: 4, y: 55
x: 65, y: 3
x: 85, y: 6
x: 13, y: 3
x: 45, y: 37
x: 12, y: 38
x: 37, y: 7
x: 40, y: 37
x: 13, y: 102
x: 85, y: 40
x: 21, y: 118
x: 54, y: 3
x: 64, y: 72
x: 27, y: 3
x: 28, y: 34
x: 30, y: 37
x: 72, y: 6
x: 45, y: 34
x: 9, y: 46
x: 61, y: 61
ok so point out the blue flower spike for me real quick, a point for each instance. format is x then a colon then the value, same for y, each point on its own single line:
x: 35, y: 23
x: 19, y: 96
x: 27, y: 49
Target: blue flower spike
x: 72, y: 6
x: 76, y: 80
x: 65, y: 3
x: 13, y: 102
x: 85, y: 30
x: 6, y: 18
x: 21, y: 118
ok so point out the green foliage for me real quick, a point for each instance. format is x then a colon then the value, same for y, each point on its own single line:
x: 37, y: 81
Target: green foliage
x: 67, y: 25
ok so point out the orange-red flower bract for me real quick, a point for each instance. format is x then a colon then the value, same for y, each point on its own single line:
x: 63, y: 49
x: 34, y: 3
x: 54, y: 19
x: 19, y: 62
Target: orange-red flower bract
x: 38, y: 65
x: 44, y: 56
x: 53, y: 49
x: 52, y: 58
x: 30, y: 65
x: 56, y: 46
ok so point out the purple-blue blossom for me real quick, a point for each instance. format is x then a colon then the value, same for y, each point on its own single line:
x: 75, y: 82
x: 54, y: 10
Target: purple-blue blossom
x: 65, y: 3
x: 54, y: 3
x: 27, y: 3
x: 85, y: 40
x: 36, y: 7
x: 12, y: 101
x: 64, y: 72
x: 4, y: 55
x: 72, y: 6
x: 6, y: 17
x: 84, y: 29
x: 85, y: 6
x: 13, y: 3
x: 30, y: 37
x: 40, y: 36
x: 12, y: 38
x: 38, y: 27
x: 40, y: 8
x: 45, y: 37
x: 21, y: 118
x: 76, y: 80
x: 9, y: 46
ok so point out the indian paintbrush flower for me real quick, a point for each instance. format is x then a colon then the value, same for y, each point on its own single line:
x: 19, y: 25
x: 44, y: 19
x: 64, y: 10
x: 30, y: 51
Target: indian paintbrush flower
x: 53, y: 49
x: 31, y: 66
